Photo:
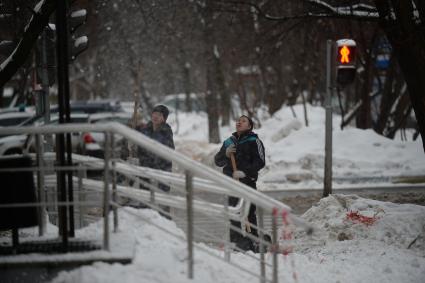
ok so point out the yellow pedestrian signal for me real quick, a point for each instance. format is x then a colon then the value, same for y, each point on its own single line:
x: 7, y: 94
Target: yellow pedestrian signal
x: 346, y: 54
x: 345, y: 61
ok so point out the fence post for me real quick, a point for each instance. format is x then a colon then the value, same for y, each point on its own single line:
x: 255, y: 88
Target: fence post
x: 227, y: 229
x: 275, y: 246
x: 260, y: 217
x: 114, y: 185
x: 81, y: 195
x: 155, y: 185
x: 189, y: 205
x: 40, y: 183
x: 106, y: 194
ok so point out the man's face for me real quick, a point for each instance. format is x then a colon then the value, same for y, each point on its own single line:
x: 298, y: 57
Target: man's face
x: 157, y: 118
x: 242, y: 125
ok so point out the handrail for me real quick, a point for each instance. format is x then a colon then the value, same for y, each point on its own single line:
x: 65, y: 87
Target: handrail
x: 268, y: 204
x: 160, y: 198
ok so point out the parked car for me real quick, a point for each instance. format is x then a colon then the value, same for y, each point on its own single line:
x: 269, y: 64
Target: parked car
x: 13, y: 119
x: 93, y: 143
x: 17, y: 144
x: 12, y: 144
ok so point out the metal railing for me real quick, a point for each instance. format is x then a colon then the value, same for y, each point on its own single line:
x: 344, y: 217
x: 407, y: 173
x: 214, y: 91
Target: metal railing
x: 197, y: 178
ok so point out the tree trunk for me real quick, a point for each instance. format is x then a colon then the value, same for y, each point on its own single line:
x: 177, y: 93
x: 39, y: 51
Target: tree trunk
x: 388, y: 98
x: 364, y: 119
x: 211, y: 87
x: 409, y: 45
x: 225, y: 102
x: 187, y: 86
x: 278, y: 96
x: 401, y: 113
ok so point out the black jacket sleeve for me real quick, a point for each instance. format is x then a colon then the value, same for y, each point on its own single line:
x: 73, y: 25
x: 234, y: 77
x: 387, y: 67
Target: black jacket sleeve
x: 258, y: 159
x: 220, y: 158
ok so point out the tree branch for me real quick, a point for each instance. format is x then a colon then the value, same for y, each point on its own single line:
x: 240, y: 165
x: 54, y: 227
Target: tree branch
x: 351, y: 11
x: 358, y: 12
x: 38, y: 21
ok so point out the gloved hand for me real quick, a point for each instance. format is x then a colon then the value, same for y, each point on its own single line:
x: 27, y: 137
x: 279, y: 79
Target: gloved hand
x: 238, y: 174
x: 230, y: 149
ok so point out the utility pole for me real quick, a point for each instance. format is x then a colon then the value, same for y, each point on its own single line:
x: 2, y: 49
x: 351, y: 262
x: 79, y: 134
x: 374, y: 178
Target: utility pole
x: 344, y: 59
x: 64, y: 117
x: 327, y: 189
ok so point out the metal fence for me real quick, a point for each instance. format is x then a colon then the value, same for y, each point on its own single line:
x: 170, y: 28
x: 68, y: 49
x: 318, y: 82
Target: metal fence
x: 198, y: 200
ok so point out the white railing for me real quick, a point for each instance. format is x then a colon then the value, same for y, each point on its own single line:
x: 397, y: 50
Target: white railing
x: 206, y: 180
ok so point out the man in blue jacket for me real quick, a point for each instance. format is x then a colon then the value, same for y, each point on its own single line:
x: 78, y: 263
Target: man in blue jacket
x: 250, y: 158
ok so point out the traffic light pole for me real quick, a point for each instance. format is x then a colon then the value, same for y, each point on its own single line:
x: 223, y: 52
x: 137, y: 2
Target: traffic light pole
x: 328, y: 132
x: 64, y: 117
x: 45, y: 78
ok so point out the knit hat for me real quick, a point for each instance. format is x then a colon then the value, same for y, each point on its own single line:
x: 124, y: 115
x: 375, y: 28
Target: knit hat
x: 251, y: 123
x: 162, y: 109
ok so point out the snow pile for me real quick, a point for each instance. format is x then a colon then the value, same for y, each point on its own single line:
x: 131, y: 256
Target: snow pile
x: 369, y: 256
x: 356, y: 152
x: 400, y: 225
x: 295, y: 153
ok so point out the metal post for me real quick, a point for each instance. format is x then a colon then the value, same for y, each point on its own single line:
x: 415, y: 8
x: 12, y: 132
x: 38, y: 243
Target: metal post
x: 260, y: 217
x: 227, y: 229
x: 189, y: 205
x: 63, y: 100
x: 40, y: 181
x: 81, y: 196
x: 45, y: 78
x: 70, y: 185
x: 114, y: 185
x: 155, y: 185
x: 275, y: 245
x: 106, y: 195
x: 328, y: 134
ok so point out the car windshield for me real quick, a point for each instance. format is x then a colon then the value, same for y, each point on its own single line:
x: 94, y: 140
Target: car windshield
x: 12, y: 121
x: 31, y: 120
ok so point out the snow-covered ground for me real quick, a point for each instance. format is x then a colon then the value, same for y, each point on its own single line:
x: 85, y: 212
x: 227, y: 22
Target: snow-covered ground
x: 341, y: 249
x: 391, y: 248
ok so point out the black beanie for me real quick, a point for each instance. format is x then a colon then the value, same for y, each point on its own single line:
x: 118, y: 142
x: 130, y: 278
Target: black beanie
x: 251, y: 123
x: 163, y: 110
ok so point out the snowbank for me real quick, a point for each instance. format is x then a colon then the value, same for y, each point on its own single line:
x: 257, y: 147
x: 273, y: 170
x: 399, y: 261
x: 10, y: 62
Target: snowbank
x: 400, y: 225
x: 295, y: 153
x: 375, y: 253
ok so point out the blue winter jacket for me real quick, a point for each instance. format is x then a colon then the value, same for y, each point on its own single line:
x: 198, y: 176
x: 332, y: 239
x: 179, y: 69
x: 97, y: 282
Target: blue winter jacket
x: 250, y: 156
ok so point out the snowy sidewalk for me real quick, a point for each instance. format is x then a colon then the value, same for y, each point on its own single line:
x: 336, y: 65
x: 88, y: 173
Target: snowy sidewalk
x: 374, y: 253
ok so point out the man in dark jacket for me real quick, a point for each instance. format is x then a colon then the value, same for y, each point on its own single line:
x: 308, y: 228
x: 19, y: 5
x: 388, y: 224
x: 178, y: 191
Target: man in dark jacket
x: 158, y: 130
x: 250, y: 158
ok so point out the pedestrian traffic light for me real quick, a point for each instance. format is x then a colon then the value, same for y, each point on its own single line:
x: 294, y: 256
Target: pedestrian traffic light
x: 77, y: 44
x: 345, y: 61
x: 46, y: 55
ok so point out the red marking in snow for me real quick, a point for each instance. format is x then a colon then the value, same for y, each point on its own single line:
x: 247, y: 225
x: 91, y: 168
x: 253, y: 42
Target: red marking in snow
x: 356, y: 217
x: 285, y: 217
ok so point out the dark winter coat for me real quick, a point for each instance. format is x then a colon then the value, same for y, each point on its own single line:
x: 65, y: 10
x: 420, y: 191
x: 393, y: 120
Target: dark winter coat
x: 249, y: 156
x: 163, y: 135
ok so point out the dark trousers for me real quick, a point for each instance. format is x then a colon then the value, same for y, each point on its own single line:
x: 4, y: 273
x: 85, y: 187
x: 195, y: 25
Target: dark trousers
x: 242, y: 242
